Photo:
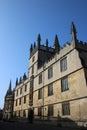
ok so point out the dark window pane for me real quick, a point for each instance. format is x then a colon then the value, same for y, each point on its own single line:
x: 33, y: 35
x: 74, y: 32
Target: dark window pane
x: 40, y: 78
x: 24, y: 99
x: 66, y: 109
x: 40, y: 111
x: 63, y: 64
x: 50, y: 72
x: 50, y: 110
x: 50, y: 89
x: 64, y: 84
x: 25, y: 88
x: 39, y: 93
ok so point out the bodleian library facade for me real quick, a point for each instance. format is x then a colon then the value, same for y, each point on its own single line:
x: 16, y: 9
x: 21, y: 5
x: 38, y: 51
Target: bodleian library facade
x: 56, y: 85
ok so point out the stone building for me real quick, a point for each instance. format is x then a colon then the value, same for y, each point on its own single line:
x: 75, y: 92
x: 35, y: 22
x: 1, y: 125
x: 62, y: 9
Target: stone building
x: 8, y: 104
x: 56, y: 87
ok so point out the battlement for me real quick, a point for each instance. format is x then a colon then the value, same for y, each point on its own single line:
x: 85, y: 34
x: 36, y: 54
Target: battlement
x: 82, y: 45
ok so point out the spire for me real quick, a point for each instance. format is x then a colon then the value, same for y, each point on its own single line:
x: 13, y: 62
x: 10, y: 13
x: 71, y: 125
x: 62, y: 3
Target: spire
x: 34, y: 44
x: 73, y: 32
x: 46, y: 43
x: 24, y: 77
x: 16, y: 82
x: 56, y: 44
x: 31, y: 48
x: 38, y: 40
x: 9, y: 86
x: 20, y: 80
x: 9, y: 91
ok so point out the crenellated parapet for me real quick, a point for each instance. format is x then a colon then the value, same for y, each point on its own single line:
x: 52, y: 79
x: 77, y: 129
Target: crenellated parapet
x: 39, y: 47
x: 82, y: 45
x: 21, y: 79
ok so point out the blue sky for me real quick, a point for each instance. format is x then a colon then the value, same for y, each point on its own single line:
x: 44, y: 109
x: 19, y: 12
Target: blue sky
x: 20, y: 23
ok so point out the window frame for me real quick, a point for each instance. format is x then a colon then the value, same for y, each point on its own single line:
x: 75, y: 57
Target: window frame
x: 50, y: 89
x: 20, y: 90
x: 50, y: 72
x: 19, y: 101
x: 16, y: 93
x: 65, y: 108
x: 40, y: 93
x: 25, y: 88
x: 32, y: 69
x: 40, y: 78
x: 16, y: 102
x: 39, y: 111
x: 24, y: 99
x: 64, y: 84
x: 50, y: 110
x: 63, y: 64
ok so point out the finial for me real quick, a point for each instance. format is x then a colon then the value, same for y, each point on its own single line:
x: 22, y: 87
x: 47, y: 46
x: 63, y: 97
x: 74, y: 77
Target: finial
x: 9, y: 86
x: 34, y: 44
x: 9, y: 91
x: 56, y: 44
x: 20, y: 80
x: 31, y: 48
x: 16, y: 82
x: 24, y: 76
x: 73, y: 31
x: 46, y: 42
x: 39, y: 40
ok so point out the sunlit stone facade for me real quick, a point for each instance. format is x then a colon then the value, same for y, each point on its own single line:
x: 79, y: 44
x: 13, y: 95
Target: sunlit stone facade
x: 56, y: 86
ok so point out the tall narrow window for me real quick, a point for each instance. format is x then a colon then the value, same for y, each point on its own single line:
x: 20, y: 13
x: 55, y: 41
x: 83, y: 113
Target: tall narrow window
x: 66, y: 109
x: 32, y: 69
x: 20, y: 90
x: 40, y: 78
x: 24, y: 113
x: 64, y: 84
x: 24, y: 99
x: 50, y: 110
x: 50, y: 72
x: 50, y: 89
x: 25, y: 87
x: 16, y: 102
x: 19, y: 101
x: 40, y: 111
x: 33, y: 58
x: 40, y: 93
x: 17, y: 93
x: 63, y: 64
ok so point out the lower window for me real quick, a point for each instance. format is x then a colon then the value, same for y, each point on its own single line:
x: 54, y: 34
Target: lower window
x: 65, y: 109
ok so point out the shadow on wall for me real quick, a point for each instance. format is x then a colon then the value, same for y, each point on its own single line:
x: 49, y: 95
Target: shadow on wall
x: 62, y: 122
x: 66, y: 122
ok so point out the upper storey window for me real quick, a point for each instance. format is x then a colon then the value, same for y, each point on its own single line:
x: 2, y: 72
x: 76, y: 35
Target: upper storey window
x: 20, y: 90
x: 17, y: 93
x: 50, y: 72
x: 33, y: 59
x: 63, y: 64
x: 64, y: 84
x: 40, y: 78
x: 32, y: 69
x: 40, y: 94
x: 25, y: 87
x: 50, y: 89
